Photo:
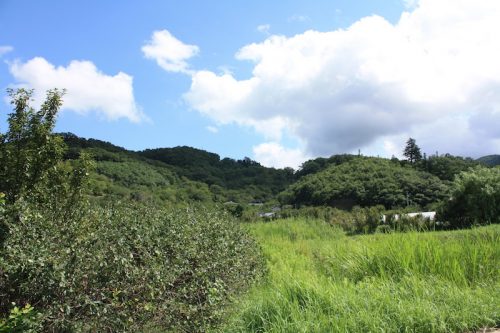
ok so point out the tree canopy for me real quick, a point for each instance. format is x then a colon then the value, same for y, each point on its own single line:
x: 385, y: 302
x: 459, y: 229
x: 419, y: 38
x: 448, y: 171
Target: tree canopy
x: 412, y: 151
x: 366, y: 181
x: 475, y: 198
x: 31, y: 156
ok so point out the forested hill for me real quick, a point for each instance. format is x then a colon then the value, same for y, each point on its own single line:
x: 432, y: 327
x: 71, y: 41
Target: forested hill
x: 490, y: 160
x: 186, y: 174
x: 177, y: 174
x: 367, y: 181
x: 228, y: 173
x: 445, y: 166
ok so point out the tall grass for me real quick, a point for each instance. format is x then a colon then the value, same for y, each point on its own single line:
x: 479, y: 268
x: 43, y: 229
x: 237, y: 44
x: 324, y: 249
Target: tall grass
x: 323, y: 281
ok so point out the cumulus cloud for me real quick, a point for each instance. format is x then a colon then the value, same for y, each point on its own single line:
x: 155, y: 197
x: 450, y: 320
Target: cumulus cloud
x: 88, y: 89
x: 435, y: 69
x: 5, y: 49
x: 273, y: 154
x: 169, y: 53
x: 410, y: 4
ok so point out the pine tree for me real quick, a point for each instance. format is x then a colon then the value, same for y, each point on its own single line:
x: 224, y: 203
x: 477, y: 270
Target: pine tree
x: 412, y: 151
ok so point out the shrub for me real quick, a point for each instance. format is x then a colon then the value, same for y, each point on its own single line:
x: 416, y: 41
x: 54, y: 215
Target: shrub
x: 121, y: 268
x: 102, y: 268
x: 21, y: 320
x: 475, y: 198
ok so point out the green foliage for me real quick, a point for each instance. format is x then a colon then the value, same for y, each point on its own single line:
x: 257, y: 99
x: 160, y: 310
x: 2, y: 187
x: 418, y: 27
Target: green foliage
x: 236, y: 210
x: 31, y: 167
x: 32, y: 171
x: 247, y: 179
x: 490, y: 160
x: 446, y: 167
x: 323, y: 281
x: 114, y: 267
x: 124, y: 268
x: 23, y: 319
x: 366, y: 182
x: 2, y: 202
x: 362, y: 220
x: 176, y: 175
x: 125, y: 175
x: 475, y: 198
x: 28, y: 151
x: 412, y: 151
x: 321, y: 163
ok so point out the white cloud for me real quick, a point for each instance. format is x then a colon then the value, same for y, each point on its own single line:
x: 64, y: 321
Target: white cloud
x: 272, y: 154
x: 410, y: 4
x: 346, y: 89
x: 264, y: 28
x: 212, y: 129
x: 5, y: 49
x: 170, y: 53
x: 218, y: 95
x: 88, y: 89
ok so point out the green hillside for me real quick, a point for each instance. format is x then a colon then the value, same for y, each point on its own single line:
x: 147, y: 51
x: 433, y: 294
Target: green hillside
x: 366, y: 181
x: 446, y: 166
x: 246, y: 175
x: 178, y: 174
x: 124, y: 174
x: 490, y: 160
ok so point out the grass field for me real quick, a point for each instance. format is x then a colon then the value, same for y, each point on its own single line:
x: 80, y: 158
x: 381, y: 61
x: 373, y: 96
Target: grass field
x: 323, y: 281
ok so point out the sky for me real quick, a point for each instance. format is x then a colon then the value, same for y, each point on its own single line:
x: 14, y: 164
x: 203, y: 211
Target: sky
x: 277, y: 81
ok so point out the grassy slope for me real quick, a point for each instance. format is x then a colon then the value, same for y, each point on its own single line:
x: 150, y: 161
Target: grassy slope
x: 323, y: 281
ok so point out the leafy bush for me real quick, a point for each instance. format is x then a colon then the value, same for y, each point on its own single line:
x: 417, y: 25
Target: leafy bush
x: 475, y: 198
x: 121, y: 268
x: 104, y: 267
x: 21, y: 320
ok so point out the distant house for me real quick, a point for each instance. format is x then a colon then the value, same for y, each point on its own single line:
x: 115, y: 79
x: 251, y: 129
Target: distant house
x: 268, y: 215
x: 431, y: 216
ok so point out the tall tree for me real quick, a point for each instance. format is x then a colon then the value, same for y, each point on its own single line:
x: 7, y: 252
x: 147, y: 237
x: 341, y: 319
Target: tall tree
x: 31, y: 156
x: 412, y: 151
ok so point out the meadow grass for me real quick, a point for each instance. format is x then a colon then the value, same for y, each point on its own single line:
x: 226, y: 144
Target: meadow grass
x: 323, y: 281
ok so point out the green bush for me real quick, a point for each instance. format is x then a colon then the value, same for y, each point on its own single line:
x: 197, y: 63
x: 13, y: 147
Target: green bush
x: 121, y: 268
x: 475, y: 198
x: 105, y: 267
x: 21, y: 320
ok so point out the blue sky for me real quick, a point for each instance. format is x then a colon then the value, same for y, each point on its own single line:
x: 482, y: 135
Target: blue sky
x: 276, y: 81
